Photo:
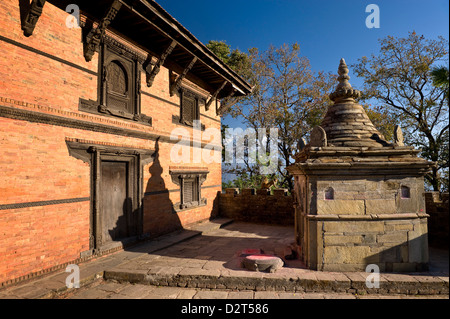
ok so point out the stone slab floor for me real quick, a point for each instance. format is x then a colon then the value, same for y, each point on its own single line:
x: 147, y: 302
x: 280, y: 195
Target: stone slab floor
x: 214, y: 251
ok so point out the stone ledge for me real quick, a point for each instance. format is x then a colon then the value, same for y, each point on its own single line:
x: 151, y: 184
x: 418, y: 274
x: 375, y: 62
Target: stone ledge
x: 307, y: 282
x: 370, y: 217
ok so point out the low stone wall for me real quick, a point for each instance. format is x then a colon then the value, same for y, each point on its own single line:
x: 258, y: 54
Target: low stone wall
x: 257, y: 206
x: 438, y: 222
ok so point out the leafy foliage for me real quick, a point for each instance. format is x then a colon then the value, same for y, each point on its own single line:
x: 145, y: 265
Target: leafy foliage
x: 404, y: 77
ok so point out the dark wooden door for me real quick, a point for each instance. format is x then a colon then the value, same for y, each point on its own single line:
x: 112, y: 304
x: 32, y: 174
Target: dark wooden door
x: 114, y: 200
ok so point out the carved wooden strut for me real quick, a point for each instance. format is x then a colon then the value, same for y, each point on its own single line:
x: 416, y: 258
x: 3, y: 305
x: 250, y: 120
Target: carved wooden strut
x: 152, y: 72
x: 96, y: 34
x: 176, y: 85
x: 32, y: 18
x: 214, y: 96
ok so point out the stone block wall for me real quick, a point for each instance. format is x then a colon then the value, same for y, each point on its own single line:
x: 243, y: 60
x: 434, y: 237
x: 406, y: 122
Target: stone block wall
x: 366, y: 196
x: 438, y: 222
x: 257, y: 206
x: 345, y: 223
x: 393, y: 243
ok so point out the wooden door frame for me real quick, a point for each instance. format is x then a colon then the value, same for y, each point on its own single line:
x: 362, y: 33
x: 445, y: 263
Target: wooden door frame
x: 94, y: 154
x: 132, y: 193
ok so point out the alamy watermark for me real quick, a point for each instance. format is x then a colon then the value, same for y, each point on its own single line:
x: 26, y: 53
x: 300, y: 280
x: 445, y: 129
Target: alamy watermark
x: 73, y: 19
x: 373, y: 279
x: 73, y: 280
x: 373, y: 19
x: 259, y: 147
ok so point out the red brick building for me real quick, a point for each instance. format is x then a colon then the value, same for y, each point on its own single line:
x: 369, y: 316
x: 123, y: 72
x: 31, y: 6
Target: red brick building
x: 86, y: 116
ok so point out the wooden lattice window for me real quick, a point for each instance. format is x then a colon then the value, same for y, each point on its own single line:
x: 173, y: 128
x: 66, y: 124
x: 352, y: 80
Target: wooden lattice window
x: 117, y: 87
x: 190, y: 191
x: 190, y: 188
x: 189, y: 108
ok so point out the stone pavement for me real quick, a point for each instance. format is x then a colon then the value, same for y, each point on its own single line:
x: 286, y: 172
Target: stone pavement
x: 204, y: 261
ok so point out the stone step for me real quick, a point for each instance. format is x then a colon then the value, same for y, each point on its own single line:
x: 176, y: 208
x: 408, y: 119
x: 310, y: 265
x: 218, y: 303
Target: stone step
x: 309, y: 282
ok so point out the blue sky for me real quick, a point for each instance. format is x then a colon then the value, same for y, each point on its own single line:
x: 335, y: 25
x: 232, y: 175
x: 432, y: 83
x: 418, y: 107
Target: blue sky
x: 325, y: 30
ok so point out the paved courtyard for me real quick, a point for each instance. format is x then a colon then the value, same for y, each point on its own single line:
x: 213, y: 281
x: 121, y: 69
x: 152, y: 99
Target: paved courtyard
x: 204, y: 262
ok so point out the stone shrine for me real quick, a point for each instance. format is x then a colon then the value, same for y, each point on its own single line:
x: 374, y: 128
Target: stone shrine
x: 359, y: 199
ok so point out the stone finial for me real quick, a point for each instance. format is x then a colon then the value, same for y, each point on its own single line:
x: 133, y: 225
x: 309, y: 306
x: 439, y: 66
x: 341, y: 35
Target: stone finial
x: 318, y: 137
x: 343, y: 76
x: 344, y: 91
x: 398, y: 136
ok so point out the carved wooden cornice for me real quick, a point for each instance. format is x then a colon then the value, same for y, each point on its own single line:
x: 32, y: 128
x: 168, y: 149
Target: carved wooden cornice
x: 151, y: 72
x: 95, y: 36
x: 32, y: 17
x: 89, y: 125
x: 177, y: 83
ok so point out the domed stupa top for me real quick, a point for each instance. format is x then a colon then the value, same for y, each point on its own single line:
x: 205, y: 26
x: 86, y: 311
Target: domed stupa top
x: 346, y: 122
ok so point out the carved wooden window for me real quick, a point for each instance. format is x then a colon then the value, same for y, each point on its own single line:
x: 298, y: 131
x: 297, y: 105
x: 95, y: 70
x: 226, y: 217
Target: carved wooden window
x: 119, y: 84
x: 190, y: 191
x: 189, y: 108
x: 190, y: 188
x: 119, y: 91
x: 190, y: 105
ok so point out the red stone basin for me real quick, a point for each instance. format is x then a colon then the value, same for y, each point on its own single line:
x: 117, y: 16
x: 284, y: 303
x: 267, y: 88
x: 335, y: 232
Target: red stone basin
x: 262, y: 262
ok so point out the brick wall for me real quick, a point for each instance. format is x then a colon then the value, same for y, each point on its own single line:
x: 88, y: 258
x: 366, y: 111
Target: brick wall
x: 45, y: 192
x: 438, y: 222
x: 257, y: 206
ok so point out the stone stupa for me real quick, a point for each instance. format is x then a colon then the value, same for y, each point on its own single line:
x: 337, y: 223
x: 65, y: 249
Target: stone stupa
x: 359, y: 199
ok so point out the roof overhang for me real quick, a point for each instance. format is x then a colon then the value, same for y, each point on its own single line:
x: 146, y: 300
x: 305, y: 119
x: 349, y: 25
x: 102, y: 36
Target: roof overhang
x: 147, y: 25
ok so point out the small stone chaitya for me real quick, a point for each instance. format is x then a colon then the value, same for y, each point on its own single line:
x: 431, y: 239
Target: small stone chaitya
x: 359, y: 199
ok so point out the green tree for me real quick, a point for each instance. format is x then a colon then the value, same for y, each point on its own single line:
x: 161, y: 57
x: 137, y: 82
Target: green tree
x: 287, y: 95
x: 400, y: 76
x: 235, y: 59
x: 440, y: 78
